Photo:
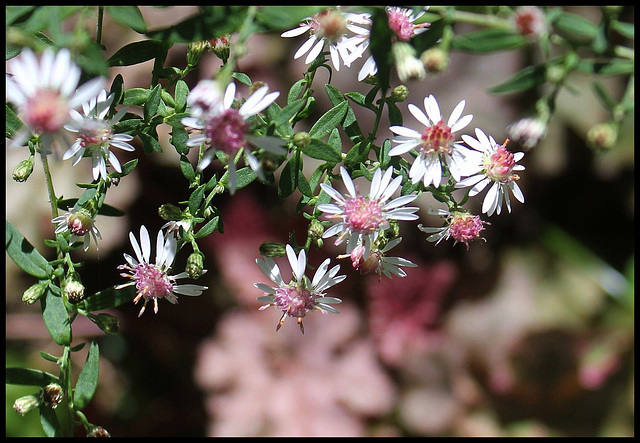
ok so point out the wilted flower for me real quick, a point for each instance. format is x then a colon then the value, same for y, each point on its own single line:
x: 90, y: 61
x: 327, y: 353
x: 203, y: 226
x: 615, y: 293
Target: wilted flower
x: 435, y: 143
x: 45, y: 91
x: 492, y: 163
x: 300, y: 295
x: 96, y: 136
x: 527, y: 131
x: 152, y: 280
x: 26, y: 404
x: 461, y: 226
x: 363, y: 217
x: 377, y: 261
x: 51, y: 395
x: 226, y: 129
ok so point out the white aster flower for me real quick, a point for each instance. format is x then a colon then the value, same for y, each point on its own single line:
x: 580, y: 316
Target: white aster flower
x: 224, y: 128
x: 435, y: 143
x: 152, y: 280
x: 301, y: 295
x: 494, y: 165
x: 377, y: 261
x: 363, y: 217
x: 44, y: 91
x: 96, y: 136
x: 331, y: 27
x: 462, y: 226
x: 79, y: 223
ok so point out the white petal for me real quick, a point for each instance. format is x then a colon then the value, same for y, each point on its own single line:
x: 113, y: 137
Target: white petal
x: 348, y: 183
x: 295, y: 31
x: 419, y: 115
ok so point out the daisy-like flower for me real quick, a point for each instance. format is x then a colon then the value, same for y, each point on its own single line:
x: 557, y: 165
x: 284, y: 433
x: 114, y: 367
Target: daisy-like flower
x: 330, y: 27
x: 224, y: 128
x: 492, y: 164
x: 461, y: 226
x: 436, y: 143
x: 301, y: 295
x: 95, y: 135
x: 363, y: 217
x: 44, y: 91
x: 79, y: 223
x: 152, y: 280
x: 377, y: 261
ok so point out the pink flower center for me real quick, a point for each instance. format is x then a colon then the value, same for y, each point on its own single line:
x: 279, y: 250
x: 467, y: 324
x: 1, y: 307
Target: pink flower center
x: 79, y: 224
x: 362, y: 214
x: 371, y: 264
x: 226, y: 131
x: 295, y: 301
x: 499, y: 165
x: 400, y: 24
x: 329, y: 24
x: 152, y: 282
x: 94, y: 135
x: 46, y: 111
x: 465, y: 227
x: 437, y: 138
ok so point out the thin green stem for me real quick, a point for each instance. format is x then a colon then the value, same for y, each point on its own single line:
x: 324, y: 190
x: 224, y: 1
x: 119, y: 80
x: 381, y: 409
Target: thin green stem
x: 99, y: 25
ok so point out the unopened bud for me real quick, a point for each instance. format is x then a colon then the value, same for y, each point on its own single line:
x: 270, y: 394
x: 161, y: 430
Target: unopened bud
x: 52, y: 395
x: 256, y: 85
x: 301, y: 139
x: 435, y: 60
x: 23, y: 170
x: 221, y: 46
x: 73, y: 290
x: 26, y: 404
x: 34, y: 293
x: 194, y: 52
x: 170, y: 212
x: 315, y: 229
x: 400, y: 93
x: 272, y: 249
x: 195, y: 265
x: 106, y: 322
x: 602, y: 136
x: 409, y: 67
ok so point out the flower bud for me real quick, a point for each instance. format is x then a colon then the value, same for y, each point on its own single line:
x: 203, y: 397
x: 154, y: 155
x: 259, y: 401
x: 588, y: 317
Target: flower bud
x: 98, y: 431
x: 73, y: 290
x: 435, y: 60
x: 52, y: 395
x: 301, y: 139
x: 169, y: 212
x: 527, y: 131
x: 256, y: 85
x: 221, y: 46
x: 34, y: 293
x: 79, y: 223
x: 400, y: 93
x: 272, y: 249
x: 315, y: 229
x: 106, y: 322
x: 602, y: 136
x: 26, y: 404
x: 195, y: 265
x: 194, y: 52
x: 409, y: 67
x: 23, y: 170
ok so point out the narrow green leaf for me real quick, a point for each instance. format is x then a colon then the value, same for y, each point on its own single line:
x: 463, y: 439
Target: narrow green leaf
x: 357, y: 154
x: 287, y: 183
x: 575, y: 28
x: 195, y: 199
x: 182, y: 90
x: 136, y: 52
x: 179, y: 138
x: 24, y: 255
x: 187, y: 168
x: 614, y: 66
x: 332, y: 118
x: 87, y: 379
x: 13, y: 122
x: 488, y: 40
x: 13, y: 13
x: 528, y: 78
x: 108, y: 298
x: 56, y: 318
x: 126, y: 168
x: 296, y: 90
x: 209, y: 227
x: 149, y: 144
x: 135, y: 97
x: 31, y: 377
x: 624, y: 29
x: 322, y: 151
x: 153, y: 102
x: 49, y: 421
x: 242, y: 78
x: 129, y: 16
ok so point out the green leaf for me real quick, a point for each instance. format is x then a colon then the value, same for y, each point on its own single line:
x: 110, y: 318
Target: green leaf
x: 13, y: 13
x: 322, y: 151
x: 528, y: 78
x: 49, y: 421
x: 357, y: 154
x: 210, y: 22
x: 195, y: 199
x: 380, y: 47
x: 575, y: 28
x: 296, y: 90
x: 108, y: 298
x: 187, y: 168
x: 126, y: 168
x: 614, y: 66
x: 179, y: 138
x: 136, y: 52
x: 13, y: 122
x: 153, y: 102
x: 395, y: 115
x: 129, y: 16
x: 31, y: 377
x: 488, y: 40
x: 624, y: 29
x: 56, y: 318
x: 88, y: 379
x: 242, y: 78
x: 332, y: 118
x: 182, y: 90
x: 135, y: 97
x: 24, y: 255
x: 209, y: 227
x: 287, y: 183
x: 149, y: 144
